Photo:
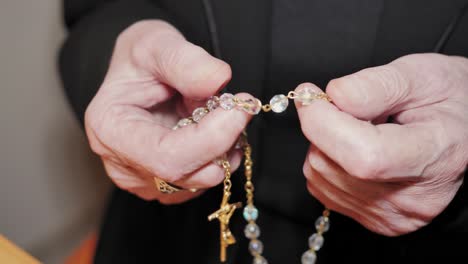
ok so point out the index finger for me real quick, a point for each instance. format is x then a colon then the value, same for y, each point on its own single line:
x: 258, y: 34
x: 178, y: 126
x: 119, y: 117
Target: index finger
x: 172, y: 154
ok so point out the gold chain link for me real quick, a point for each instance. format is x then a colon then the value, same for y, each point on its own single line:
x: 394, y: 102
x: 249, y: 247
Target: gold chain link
x: 248, y: 163
x: 227, y: 176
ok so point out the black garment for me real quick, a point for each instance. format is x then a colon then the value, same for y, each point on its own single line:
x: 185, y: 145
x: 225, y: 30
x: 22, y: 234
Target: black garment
x: 272, y: 46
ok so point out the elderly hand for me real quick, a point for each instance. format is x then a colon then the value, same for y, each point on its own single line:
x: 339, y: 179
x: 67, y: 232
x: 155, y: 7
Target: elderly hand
x: 395, y: 177
x: 155, y: 78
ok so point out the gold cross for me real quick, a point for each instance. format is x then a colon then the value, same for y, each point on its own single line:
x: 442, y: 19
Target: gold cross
x: 224, y: 214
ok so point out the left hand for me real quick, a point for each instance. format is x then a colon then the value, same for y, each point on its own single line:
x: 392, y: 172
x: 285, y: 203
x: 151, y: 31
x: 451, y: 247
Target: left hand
x: 393, y: 178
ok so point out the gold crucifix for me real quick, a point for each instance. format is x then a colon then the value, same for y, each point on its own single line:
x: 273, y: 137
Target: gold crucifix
x: 224, y: 214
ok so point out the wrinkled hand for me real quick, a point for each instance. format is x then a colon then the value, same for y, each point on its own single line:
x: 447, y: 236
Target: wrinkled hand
x: 155, y: 78
x: 393, y: 178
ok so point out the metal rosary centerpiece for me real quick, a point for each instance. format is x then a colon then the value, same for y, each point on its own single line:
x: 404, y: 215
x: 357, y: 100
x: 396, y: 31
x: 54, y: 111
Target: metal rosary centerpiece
x: 278, y: 103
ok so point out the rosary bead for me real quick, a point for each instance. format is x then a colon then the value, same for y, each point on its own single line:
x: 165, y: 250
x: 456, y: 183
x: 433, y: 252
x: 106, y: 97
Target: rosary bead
x: 226, y: 101
x: 279, y: 103
x: 252, y: 106
x: 322, y: 224
x: 199, y: 113
x: 252, y: 231
x: 316, y: 241
x: 256, y: 247
x: 260, y: 260
x: 306, y: 95
x: 309, y: 257
x: 183, y: 122
x: 250, y: 213
x: 212, y: 103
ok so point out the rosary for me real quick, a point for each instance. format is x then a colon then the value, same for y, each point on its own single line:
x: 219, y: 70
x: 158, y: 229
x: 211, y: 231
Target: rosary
x: 277, y: 104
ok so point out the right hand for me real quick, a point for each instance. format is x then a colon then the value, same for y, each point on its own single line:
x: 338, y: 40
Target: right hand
x: 156, y: 78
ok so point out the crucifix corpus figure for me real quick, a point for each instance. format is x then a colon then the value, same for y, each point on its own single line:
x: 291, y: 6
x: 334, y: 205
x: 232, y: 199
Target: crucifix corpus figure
x: 224, y: 214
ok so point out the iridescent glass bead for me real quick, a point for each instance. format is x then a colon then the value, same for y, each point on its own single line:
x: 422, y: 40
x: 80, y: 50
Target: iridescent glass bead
x: 250, y: 213
x: 252, y: 231
x: 316, y: 241
x: 226, y: 101
x: 279, y: 103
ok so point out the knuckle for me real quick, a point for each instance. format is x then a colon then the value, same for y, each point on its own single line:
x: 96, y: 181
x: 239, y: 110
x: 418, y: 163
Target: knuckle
x: 367, y: 163
x: 174, y: 59
x: 323, y: 198
x: 109, y: 123
x: 314, y: 161
x: 167, y: 166
x: 166, y: 169
x: 393, y: 82
x: 100, y: 112
x: 145, y: 29
x: 91, y: 116
x: 93, y: 129
x: 400, y: 225
x: 391, y: 227
x: 96, y: 147
x: 172, y: 56
x: 306, y: 170
x: 401, y: 215
x: 152, y: 49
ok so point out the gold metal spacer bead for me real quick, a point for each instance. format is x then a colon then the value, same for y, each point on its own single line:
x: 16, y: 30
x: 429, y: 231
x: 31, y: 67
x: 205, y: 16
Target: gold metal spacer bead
x: 292, y: 95
x: 266, y: 108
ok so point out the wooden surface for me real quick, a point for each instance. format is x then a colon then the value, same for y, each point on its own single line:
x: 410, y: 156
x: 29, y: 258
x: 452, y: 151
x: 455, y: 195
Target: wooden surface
x: 84, y: 254
x: 12, y: 254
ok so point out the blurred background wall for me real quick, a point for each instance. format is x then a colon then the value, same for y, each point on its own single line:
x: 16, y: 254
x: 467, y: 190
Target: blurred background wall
x: 52, y: 189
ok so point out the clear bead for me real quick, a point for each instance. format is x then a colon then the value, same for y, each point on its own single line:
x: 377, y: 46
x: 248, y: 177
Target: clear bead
x: 226, y: 101
x: 252, y: 106
x: 309, y: 257
x: 306, y: 95
x: 199, y: 113
x: 183, y: 122
x: 316, y: 242
x: 250, y: 213
x: 322, y: 224
x: 260, y: 260
x: 252, y: 231
x: 212, y: 103
x: 256, y: 247
x: 279, y: 103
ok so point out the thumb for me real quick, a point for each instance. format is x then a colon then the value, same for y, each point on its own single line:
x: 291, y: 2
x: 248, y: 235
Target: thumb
x: 160, y: 52
x: 385, y: 90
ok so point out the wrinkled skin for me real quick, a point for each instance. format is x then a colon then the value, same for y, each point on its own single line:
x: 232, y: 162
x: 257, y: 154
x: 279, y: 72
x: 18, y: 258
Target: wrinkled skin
x: 392, y: 177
